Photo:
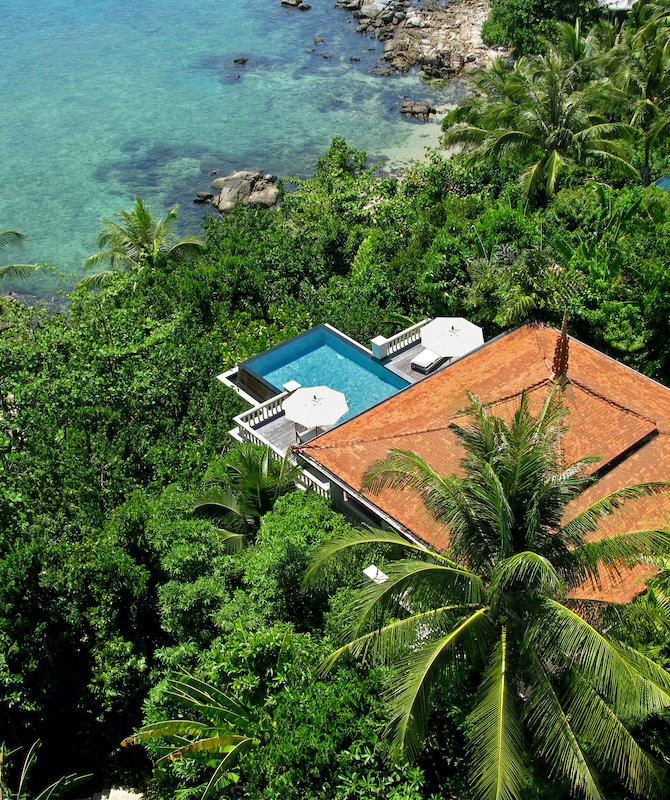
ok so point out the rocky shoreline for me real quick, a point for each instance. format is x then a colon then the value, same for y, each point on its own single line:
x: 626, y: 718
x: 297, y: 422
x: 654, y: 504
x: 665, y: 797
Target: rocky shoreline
x: 445, y: 41
x: 248, y: 187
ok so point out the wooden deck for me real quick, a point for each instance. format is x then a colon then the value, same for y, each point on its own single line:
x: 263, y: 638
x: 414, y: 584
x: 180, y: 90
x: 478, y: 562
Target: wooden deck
x: 279, y: 431
x: 402, y: 361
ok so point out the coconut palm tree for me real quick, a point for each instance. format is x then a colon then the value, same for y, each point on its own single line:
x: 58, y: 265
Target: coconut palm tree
x: 498, y: 604
x: 639, y: 68
x: 218, y: 737
x: 538, y: 109
x: 138, y: 239
x: 12, y: 239
x: 244, y: 485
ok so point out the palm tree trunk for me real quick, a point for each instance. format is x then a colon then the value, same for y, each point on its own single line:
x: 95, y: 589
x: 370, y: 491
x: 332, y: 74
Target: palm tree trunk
x: 645, y: 172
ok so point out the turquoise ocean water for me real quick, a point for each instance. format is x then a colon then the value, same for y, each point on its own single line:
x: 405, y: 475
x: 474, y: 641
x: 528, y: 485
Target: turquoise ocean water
x: 105, y: 99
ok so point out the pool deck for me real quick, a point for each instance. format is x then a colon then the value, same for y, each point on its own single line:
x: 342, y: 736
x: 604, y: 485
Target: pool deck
x: 401, y: 362
x: 278, y: 431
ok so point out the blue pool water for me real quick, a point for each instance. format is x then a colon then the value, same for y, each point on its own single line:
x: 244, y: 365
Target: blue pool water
x: 321, y: 358
x: 105, y: 99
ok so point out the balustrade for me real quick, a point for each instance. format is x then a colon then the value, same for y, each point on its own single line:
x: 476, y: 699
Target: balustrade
x: 381, y: 347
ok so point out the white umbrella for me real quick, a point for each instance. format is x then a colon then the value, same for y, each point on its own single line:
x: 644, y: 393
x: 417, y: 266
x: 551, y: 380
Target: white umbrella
x: 312, y: 406
x: 451, y: 336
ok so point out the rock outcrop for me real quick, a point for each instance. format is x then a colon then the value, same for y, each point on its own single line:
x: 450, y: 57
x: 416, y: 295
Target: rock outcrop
x: 420, y: 111
x: 444, y: 41
x: 248, y: 187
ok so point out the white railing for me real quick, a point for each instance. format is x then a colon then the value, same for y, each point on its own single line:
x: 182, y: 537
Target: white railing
x: 308, y: 481
x: 248, y: 435
x: 270, y: 408
x: 254, y: 416
x: 381, y: 347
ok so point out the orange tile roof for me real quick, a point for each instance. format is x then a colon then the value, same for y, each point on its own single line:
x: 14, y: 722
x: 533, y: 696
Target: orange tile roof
x: 616, y: 414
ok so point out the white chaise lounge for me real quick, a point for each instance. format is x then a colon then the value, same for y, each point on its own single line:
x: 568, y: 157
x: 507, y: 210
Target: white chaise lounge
x: 426, y: 361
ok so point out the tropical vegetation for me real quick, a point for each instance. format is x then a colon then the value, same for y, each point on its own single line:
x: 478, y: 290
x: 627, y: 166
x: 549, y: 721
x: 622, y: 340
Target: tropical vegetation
x: 576, y: 105
x: 245, y: 485
x: 11, y: 239
x: 113, y: 428
x: 219, y: 741
x: 136, y: 241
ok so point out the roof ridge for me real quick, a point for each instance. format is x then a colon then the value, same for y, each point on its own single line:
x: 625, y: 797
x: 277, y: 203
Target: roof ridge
x: 462, y: 412
x: 611, y: 402
x: 310, y: 446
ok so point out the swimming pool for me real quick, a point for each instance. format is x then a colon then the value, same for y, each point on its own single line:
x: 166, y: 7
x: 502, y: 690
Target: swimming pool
x: 322, y: 357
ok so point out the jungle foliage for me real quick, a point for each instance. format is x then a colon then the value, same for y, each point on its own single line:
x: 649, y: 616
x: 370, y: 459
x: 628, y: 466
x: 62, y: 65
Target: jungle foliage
x: 111, y: 418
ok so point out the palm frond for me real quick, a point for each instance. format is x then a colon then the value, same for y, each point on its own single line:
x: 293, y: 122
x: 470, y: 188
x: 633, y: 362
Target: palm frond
x: 360, y: 538
x: 468, y: 135
x: 214, y: 740
x: 98, y: 280
x: 414, y: 677
x: 208, y: 700
x: 497, y: 742
x: 16, y: 270
x: 527, y: 571
x: 167, y: 729
x: 623, y: 550
x: 187, y: 247
x: 11, y: 239
x: 221, y: 744
x: 588, y: 520
x: 403, y: 469
x: 413, y: 586
x: 553, y: 735
x: 219, y: 777
x: 610, y: 741
x: 115, y: 258
x: 222, y: 508
x: 610, y: 668
x: 394, y: 638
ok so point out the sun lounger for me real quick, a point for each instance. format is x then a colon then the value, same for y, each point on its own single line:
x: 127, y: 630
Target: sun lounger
x: 426, y: 361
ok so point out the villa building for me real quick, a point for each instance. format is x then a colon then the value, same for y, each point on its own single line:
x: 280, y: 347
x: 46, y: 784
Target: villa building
x: 615, y: 413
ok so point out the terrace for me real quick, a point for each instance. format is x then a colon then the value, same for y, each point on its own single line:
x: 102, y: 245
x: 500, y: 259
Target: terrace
x: 387, y: 362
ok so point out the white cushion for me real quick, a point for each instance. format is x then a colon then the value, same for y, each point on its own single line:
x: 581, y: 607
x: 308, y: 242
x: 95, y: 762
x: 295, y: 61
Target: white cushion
x: 425, y: 358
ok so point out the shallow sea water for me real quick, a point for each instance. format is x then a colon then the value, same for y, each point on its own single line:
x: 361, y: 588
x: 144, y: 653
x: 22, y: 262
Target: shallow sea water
x: 105, y: 99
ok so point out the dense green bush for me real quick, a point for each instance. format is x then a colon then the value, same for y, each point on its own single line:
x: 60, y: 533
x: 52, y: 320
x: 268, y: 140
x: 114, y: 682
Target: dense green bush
x: 524, y: 25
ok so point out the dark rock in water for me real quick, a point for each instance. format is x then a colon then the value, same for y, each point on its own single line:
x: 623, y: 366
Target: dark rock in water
x: 419, y: 111
x: 203, y: 197
x: 56, y: 304
x: 304, y: 7
x: 26, y: 300
x: 291, y: 3
x: 318, y: 40
x: 386, y: 71
x: 354, y: 58
x: 309, y: 49
x: 240, y: 61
